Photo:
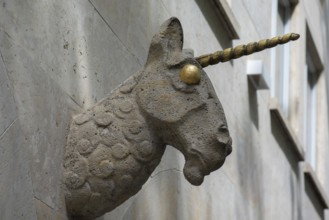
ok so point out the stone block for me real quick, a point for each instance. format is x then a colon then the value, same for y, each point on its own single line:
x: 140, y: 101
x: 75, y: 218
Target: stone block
x: 133, y: 22
x: 69, y: 52
x: 45, y: 111
x: 16, y: 188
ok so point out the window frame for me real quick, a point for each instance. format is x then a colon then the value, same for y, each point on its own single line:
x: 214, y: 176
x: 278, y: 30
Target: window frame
x: 306, y: 173
x: 226, y: 16
x: 313, y: 69
x: 279, y: 86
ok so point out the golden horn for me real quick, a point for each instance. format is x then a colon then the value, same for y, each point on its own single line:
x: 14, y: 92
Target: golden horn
x: 242, y: 50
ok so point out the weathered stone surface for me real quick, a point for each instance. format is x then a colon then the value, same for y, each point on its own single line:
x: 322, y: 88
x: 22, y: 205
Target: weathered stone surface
x: 79, y: 47
x: 43, y: 211
x: 160, y: 109
x: 135, y: 37
x: 46, y: 46
x: 7, y: 102
x: 42, y: 133
x: 15, y: 180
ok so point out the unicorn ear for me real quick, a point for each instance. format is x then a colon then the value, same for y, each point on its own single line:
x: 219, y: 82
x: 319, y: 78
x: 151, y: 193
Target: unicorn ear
x: 168, y: 41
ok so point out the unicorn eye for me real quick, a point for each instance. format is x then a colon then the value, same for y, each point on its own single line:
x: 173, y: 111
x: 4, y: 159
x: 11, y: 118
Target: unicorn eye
x: 190, y: 74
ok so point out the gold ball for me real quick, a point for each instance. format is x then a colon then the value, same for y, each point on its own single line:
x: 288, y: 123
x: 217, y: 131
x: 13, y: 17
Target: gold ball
x: 190, y: 74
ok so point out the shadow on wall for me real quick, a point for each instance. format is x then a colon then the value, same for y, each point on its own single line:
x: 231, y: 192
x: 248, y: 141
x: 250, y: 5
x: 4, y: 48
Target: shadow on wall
x: 253, y: 104
x: 214, y: 23
x: 285, y: 144
x: 250, y: 171
x: 313, y: 196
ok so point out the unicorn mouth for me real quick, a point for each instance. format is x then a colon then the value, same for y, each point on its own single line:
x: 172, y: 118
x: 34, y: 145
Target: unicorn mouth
x: 197, y: 166
x: 193, y: 174
x: 193, y: 168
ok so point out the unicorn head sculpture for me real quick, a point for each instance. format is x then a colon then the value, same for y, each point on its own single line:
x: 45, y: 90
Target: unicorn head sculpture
x: 113, y: 147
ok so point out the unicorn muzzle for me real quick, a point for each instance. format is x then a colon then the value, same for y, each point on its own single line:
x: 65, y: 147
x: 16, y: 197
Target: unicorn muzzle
x: 200, y: 163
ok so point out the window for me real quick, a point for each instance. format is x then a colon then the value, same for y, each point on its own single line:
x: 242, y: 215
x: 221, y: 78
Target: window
x: 310, y: 111
x: 280, y: 55
x: 313, y: 198
x: 313, y: 68
x: 226, y: 15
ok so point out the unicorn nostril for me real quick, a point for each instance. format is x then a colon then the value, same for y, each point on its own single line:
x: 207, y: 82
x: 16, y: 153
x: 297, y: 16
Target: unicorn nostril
x: 223, y: 138
x: 222, y: 128
x: 225, y: 143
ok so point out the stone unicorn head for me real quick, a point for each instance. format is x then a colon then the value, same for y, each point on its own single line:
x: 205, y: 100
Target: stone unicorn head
x: 113, y: 147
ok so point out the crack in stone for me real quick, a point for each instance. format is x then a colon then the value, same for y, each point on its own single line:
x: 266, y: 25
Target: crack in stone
x: 109, y: 26
x: 5, y: 131
x: 161, y: 171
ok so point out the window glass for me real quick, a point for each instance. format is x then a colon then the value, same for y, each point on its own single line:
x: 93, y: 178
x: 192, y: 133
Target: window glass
x: 280, y: 86
x: 310, y: 112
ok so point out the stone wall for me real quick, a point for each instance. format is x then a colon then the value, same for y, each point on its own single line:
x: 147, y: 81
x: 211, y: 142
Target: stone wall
x: 58, y: 57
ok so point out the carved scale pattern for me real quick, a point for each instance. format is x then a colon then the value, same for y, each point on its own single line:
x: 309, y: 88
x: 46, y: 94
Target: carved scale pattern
x: 109, y: 154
